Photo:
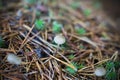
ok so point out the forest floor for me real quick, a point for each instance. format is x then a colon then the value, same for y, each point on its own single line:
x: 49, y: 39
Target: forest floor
x: 57, y: 40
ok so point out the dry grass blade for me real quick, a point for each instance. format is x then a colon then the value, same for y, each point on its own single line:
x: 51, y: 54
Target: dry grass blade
x: 26, y: 36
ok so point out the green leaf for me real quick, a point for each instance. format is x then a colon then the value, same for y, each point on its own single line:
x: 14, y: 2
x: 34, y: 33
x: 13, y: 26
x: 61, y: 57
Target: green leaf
x: 81, y: 31
x: 30, y: 1
x: 80, y: 66
x: 111, y: 76
x: 76, y: 65
x: 56, y: 28
x: 70, y: 70
x: 111, y: 67
x: 117, y: 64
x: 40, y: 24
x: 75, y: 5
x: 65, y: 46
x: 87, y: 12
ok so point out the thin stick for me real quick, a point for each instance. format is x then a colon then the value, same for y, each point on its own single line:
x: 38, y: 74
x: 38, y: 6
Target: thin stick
x: 22, y: 45
x: 70, y: 65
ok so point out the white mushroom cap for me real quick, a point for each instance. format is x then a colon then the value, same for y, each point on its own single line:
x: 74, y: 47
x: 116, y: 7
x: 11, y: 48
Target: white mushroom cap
x: 59, y: 39
x: 13, y: 59
x: 100, y: 71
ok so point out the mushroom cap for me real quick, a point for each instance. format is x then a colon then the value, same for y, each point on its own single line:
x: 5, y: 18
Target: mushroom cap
x: 13, y: 59
x: 100, y: 71
x: 59, y: 39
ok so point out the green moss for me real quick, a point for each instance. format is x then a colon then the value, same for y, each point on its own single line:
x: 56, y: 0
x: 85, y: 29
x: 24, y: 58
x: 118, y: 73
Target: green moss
x: 112, y: 68
x: 40, y: 24
x: 75, y: 5
x: 70, y: 70
x: 81, y: 31
x: 56, y: 27
x: 87, y: 12
x: 76, y: 65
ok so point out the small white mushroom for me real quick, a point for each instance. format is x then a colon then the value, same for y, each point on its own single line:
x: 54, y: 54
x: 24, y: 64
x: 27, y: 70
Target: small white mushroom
x: 59, y: 39
x: 100, y: 71
x: 13, y: 59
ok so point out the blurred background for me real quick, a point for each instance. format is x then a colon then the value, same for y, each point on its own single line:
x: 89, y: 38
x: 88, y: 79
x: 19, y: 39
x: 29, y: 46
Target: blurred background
x: 109, y: 7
